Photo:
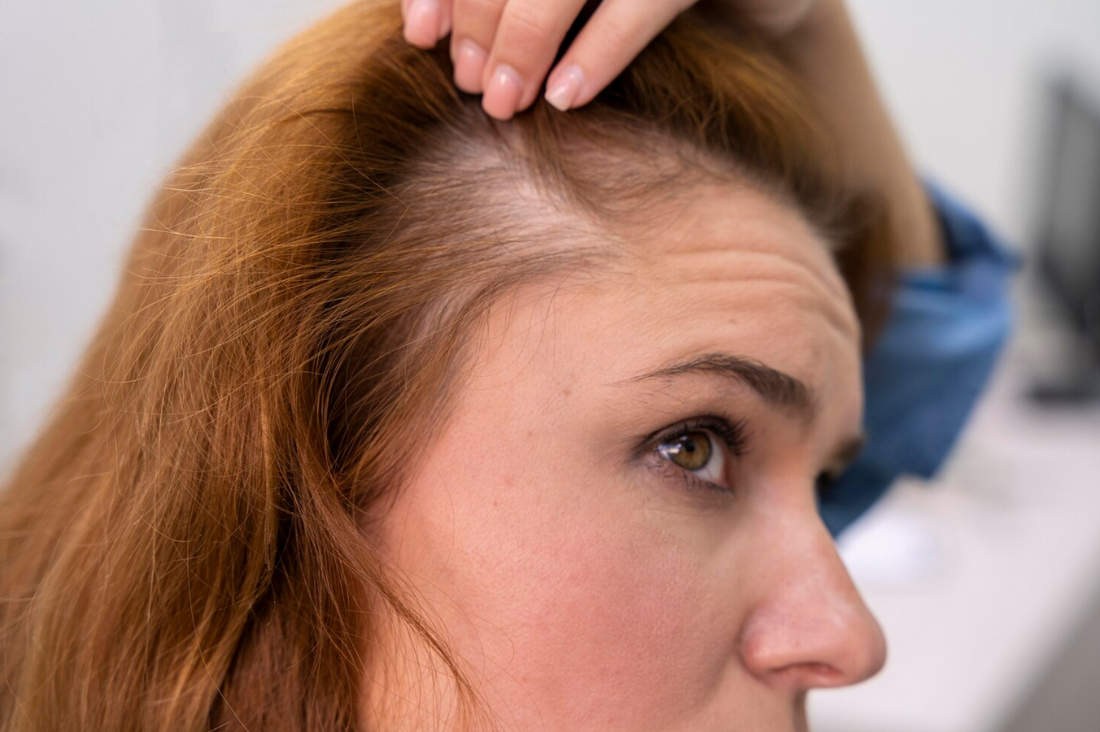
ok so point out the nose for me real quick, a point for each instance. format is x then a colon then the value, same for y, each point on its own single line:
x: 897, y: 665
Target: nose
x: 810, y: 628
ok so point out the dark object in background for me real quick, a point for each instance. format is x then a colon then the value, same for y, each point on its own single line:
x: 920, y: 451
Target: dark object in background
x: 1067, y: 253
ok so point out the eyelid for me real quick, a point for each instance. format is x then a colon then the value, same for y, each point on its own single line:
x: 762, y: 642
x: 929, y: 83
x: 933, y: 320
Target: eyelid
x: 732, y: 433
x: 731, y: 437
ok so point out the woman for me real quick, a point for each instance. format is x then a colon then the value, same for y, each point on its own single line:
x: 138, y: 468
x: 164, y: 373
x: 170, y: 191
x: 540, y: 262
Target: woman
x: 404, y: 418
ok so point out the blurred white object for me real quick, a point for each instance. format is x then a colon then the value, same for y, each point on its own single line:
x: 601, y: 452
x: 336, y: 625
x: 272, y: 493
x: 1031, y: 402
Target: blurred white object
x: 893, y: 550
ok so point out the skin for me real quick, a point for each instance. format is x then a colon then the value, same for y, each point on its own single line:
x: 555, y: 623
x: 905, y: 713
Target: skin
x: 584, y: 578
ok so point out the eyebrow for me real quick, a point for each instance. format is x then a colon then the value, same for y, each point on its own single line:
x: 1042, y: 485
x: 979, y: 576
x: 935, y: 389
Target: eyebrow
x: 775, y: 387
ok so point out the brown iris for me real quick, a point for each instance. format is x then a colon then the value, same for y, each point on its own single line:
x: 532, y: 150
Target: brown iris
x: 690, y: 451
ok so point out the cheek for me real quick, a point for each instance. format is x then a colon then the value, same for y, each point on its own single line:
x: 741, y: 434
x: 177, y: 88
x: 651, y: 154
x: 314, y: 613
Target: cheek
x: 581, y: 613
x: 614, y: 639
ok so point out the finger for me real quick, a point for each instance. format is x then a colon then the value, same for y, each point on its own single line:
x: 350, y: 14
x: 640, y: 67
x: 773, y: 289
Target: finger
x: 447, y: 6
x: 475, y: 24
x: 424, y: 21
x: 609, y: 41
x: 526, y: 41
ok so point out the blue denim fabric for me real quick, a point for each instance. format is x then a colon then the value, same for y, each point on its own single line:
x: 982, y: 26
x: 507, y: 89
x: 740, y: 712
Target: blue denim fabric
x: 930, y: 364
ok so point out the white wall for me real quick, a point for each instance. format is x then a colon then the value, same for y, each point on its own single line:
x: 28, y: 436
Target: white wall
x: 963, y: 78
x: 97, y: 100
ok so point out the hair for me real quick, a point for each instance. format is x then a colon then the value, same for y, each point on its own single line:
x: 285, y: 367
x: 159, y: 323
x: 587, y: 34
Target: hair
x: 186, y: 543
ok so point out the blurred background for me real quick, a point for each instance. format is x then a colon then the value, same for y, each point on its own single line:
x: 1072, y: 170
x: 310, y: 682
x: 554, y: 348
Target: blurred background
x: 987, y: 581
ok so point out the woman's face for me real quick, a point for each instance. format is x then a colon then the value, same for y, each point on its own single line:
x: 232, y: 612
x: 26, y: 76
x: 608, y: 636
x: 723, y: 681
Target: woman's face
x: 617, y: 526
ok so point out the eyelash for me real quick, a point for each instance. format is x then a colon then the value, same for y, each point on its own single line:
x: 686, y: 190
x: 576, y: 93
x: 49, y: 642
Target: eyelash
x: 732, y: 435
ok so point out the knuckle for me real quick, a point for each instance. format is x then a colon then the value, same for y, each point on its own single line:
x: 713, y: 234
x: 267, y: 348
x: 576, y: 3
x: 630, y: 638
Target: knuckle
x: 528, y: 23
x: 476, y: 12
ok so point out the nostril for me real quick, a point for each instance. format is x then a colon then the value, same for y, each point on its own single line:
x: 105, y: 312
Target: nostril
x: 809, y: 675
x: 823, y: 670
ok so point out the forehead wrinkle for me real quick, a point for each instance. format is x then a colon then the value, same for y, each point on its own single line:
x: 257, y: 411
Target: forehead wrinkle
x: 745, y: 254
x: 769, y: 258
x: 809, y: 287
x: 840, y: 321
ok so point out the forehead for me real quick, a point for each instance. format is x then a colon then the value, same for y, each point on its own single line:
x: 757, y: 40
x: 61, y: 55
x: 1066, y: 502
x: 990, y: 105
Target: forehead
x: 739, y: 258
x: 727, y: 269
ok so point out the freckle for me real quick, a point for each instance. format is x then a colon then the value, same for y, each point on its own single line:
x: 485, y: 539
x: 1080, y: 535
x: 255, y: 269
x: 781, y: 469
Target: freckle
x: 566, y: 391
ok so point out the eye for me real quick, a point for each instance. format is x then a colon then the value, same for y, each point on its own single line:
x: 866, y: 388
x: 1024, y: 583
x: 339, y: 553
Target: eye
x: 692, y: 451
x: 697, y: 453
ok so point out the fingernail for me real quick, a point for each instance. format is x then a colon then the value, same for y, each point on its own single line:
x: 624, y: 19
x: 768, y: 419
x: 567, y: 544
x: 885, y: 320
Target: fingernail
x: 565, y: 86
x: 422, y: 23
x: 469, y: 66
x: 503, y: 93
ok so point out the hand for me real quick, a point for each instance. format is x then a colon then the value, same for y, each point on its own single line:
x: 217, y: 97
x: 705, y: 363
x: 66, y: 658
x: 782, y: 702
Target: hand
x: 504, y: 48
